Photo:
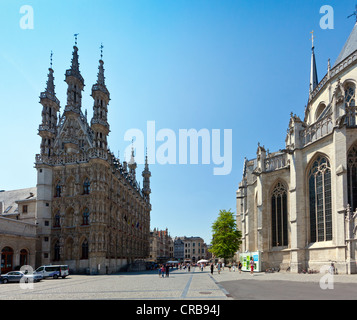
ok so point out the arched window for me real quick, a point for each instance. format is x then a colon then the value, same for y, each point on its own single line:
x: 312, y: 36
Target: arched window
x: 86, y: 186
x: 86, y: 216
x: 85, y: 249
x: 350, y: 105
x: 6, y: 259
x: 352, y: 177
x: 57, y: 256
x: 279, y: 216
x: 319, y: 111
x: 320, y: 200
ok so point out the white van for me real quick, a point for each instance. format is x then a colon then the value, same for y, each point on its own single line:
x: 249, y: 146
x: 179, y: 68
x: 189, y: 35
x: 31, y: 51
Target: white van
x: 53, y: 271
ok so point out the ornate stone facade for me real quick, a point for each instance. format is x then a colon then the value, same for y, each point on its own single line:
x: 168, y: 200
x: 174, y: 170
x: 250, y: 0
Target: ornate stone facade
x: 91, y: 212
x: 297, y: 205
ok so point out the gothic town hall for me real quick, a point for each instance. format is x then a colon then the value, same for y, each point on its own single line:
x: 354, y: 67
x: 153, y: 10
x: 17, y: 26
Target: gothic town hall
x: 91, y: 212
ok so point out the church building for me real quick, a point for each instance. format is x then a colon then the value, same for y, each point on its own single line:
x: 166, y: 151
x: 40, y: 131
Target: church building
x: 298, y: 206
x: 92, y: 213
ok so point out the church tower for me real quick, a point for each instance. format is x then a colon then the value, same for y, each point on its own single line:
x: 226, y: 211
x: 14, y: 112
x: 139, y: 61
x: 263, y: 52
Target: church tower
x: 101, y: 97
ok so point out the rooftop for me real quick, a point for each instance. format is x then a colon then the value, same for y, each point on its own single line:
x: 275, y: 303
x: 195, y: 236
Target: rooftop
x: 9, y: 199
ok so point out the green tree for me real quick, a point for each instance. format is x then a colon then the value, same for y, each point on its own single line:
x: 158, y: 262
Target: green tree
x: 226, y: 239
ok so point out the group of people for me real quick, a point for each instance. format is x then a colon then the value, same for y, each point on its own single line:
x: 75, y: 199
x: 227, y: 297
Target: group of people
x: 220, y: 266
x: 165, y: 269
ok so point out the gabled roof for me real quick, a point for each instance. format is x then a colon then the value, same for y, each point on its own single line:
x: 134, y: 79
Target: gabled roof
x: 349, y: 47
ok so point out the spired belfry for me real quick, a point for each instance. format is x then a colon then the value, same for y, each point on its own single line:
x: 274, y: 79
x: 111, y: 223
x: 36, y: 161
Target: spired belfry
x: 92, y: 214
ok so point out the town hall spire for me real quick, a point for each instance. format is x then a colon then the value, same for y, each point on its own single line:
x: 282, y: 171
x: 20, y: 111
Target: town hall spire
x: 75, y: 83
x: 50, y: 107
x: 101, y: 97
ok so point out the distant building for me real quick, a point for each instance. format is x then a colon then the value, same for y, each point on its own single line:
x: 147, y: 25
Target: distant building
x: 190, y: 249
x: 161, y: 246
x: 179, y: 249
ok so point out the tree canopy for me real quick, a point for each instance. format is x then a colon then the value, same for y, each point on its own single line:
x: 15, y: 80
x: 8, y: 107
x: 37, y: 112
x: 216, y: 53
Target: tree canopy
x: 226, y: 239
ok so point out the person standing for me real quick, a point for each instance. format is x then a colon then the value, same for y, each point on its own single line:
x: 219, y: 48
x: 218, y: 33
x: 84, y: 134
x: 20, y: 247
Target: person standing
x: 251, y: 266
x: 219, y: 268
x: 212, y: 266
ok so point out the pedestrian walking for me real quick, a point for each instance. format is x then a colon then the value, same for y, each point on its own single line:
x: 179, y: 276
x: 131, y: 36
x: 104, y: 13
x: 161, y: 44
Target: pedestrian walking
x: 163, y: 271
x: 240, y: 267
x: 219, y: 268
x: 251, y: 265
x: 167, y: 271
x: 212, y: 266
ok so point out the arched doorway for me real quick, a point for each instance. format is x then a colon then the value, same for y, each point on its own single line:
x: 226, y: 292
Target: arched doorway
x: 7, y: 255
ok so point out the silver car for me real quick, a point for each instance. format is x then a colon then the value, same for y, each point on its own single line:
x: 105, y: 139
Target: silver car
x: 16, y: 276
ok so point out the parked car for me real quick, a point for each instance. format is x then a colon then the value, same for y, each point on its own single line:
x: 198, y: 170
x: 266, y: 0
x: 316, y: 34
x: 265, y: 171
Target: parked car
x: 16, y: 276
x: 53, y: 271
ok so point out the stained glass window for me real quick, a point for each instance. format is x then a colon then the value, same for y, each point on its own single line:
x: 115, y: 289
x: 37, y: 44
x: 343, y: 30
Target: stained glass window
x: 352, y: 177
x: 279, y: 216
x: 320, y: 200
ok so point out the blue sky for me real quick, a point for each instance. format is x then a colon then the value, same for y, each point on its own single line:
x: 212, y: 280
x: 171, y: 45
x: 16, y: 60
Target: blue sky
x: 211, y: 64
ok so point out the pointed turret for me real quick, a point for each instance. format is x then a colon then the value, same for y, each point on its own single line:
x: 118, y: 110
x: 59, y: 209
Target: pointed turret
x: 146, y: 181
x: 313, y: 73
x: 101, y: 96
x: 132, y: 165
x: 51, y: 106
